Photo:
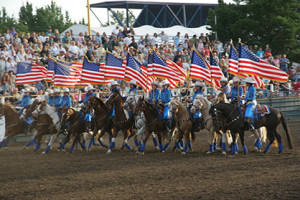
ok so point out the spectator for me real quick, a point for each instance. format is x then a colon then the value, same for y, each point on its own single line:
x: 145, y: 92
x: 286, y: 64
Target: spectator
x: 284, y: 62
x: 260, y: 53
x: 164, y: 37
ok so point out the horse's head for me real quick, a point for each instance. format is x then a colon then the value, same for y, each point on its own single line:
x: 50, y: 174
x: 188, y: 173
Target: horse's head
x: 221, y: 97
x: 140, y: 105
x: 92, y: 103
x: 174, y: 106
x: 216, y: 112
x: 28, y: 111
x: 39, y: 109
x: 114, y: 98
x: 200, y: 103
x: 130, y: 102
x: 67, y: 113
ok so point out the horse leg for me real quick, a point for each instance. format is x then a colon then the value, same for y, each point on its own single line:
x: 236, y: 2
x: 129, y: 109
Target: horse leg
x: 211, y: 139
x: 159, y: 135
x: 215, y: 144
x: 92, y: 139
x: 242, y: 138
x: 258, y: 136
x: 224, y: 139
x: 155, y: 141
x: 278, y: 137
x: 177, y: 143
x: 50, y: 143
x: 38, y: 138
x: 113, y: 140
x: 100, y: 139
x: 33, y: 141
x: 75, y: 141
x: 187, y: 139
x: 143, y: 145
x: 271, y: 137
x: 126, y: 136
x: 66, y: 140
x: 190, y: 145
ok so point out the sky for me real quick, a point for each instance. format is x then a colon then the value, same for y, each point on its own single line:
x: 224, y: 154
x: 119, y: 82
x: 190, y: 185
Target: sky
x: 76, y: 8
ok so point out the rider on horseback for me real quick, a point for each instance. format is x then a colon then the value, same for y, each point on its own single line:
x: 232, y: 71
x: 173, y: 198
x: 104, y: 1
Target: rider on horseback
x: 154, y: 92
x: 57, y: 101
x: 66, y: 103
x: 165, y: 98
x: 196, y: 118
x: 224, y: 86
x: 236, y: 91
x: 51, y: 97
x: 113, y: 87
x: 25, y: 101
x: 90, y: 93
x: 250, y: 103
x: 132, y: 85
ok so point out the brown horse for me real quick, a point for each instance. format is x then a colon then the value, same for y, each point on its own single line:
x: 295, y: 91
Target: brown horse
x: 102, y: 120
x: 120, y: 121
x: 48, y: 122
x: 153, y: 124
x: 77, y: 127
x: 13, y: 124
x: 183, y: 124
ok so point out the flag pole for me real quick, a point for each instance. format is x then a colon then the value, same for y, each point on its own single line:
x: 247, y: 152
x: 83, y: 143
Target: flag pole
x: 238, y: 89
x: 88, y: 13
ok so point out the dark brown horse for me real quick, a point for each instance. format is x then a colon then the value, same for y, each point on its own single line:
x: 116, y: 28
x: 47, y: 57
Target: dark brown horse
x: 183, y: 124
x: 76, y: 127
x: 153, y: 124
x: 13, y: 124
x: 48, y: 122
x: 120, y: 121
x: 102, y: 120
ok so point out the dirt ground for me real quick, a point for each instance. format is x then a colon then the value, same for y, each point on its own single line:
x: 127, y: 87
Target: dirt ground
x: 124, y: 174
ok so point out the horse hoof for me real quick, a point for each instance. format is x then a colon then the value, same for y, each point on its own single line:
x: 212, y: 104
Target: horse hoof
x: 63, y: 150
x: 224, y: 153
x: 141, y: 153
x: 278, y: 154
x: 208, y: 152
x: 109, y: 151
x: 255, y: 149
x: 183, y: 153
x: 43, y: 153
x: 157, y: 147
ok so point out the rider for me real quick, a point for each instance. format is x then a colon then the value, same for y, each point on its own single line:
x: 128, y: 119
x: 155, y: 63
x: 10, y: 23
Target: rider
x: 87, y: 95
x: 250, y: 103
x: 224, y: 86
x: 51, y: 97
x: 25, y: 101
x: 165, y: 98
x: 66, y: 100
x: 113, y: 87
x: 57, y: 99
x: 236, y: 91
x: 132, y: 85
x: 196, y: 118
x: 154, y: 91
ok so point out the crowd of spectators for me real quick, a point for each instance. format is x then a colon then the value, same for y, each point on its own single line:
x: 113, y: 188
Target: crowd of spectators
x: 38, y: 47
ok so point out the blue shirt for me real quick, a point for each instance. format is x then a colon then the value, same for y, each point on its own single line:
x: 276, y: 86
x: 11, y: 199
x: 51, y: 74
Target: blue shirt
x: 260, y: 54
x: 196, y: 93
x: 156, y: 95
x: 25, y: 101
x: 66, y: 101
x: 51, y: 100
x: 251, y: 93
x: 165, y: 95
x: 234, y: 92
x: 133, y: 90
x: 86, y: 98
x: 39, y: 85
x: 57, y: 101
x: 177, y: 40
x: 284, y: 65
x: 226, y: 91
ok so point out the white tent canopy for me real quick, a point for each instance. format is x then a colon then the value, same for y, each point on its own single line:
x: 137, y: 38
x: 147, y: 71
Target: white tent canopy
x: 143, y: 30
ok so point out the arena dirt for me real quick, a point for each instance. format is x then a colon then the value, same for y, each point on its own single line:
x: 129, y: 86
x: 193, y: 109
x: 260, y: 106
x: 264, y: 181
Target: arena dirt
x: 25, y: 174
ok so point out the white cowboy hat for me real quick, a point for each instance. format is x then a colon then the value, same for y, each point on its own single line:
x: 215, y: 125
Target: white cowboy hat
x: 66, y: 90
x: 236, y: 79
x: 199, y: 84
x: 56, y: 90
x: 230, y: 82
x: 51, y: 91
x: 249, y: 80
x: 89, y: 88
x: 27, y: 90
x: 132, y: 82
x: 218, y: 92
x: 155, y: 83
x: 114, y: 83
x: 165, y: 82
x: 223, y: 79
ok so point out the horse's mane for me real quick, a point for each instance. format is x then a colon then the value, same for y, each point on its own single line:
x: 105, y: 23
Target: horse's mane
x: 8, y: 106
x: 152, y: 109
x: 101, y: 103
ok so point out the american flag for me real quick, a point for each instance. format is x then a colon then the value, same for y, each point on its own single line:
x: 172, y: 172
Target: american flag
x: 51, y: 69
x: 92, y: 72
x: 233, y: 67
x: 250, y: 64
x: 200, y: 68
x: 179, y: 71
x: 161, y: 69
x: 30, y: 73
x: 66, y: 76
x: 150, y: 64
x: 258, y: 83
x: 215, y: 71
x: 114, y: 68
x: 134, y: 72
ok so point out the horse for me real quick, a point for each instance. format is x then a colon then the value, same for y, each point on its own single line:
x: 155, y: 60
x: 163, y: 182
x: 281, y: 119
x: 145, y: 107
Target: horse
x: 202, y: 104
x: 13, y: 124
x: 152, y: 124
x: 139, y: 120
x: 77, y: 127
x: 184, y: 125
x: 102, y: 120
x: 120, y: 121
x: 232, y: 118
x: 48, y: 122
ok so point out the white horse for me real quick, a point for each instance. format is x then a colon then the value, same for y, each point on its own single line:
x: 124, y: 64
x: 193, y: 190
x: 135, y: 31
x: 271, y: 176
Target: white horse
x: 140, y: 120
x: 202, y: 104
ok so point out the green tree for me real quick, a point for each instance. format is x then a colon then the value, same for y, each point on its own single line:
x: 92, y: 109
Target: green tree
x: 26, y: 17
x: 121, y: 15
x: 6, y: 22
x: 261, y: 22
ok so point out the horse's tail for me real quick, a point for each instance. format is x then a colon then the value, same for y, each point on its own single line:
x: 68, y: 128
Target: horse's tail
x: 193, y: 136
x: 288, y: 136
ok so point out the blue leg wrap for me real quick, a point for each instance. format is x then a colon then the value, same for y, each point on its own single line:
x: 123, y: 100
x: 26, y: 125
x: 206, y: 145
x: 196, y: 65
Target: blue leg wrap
x: 0, y: 144
x: 237, y: 147
x: 258, y: 143
x: 215, y: 145
x: 90, y: 143
x: 110, y: 139
x: 95, y: 142
x: 136, y: 142
x: 161, y: 147
x: 223, y: 147
x: 77, y: 144
x: 37, y: 146
x: 143, y: 145
x: 211, y: 147
x: 31, y: 143
x: 129, y: 138
x: 72, y: 148
x: 267, y: 148
x: 166, y: 146
x: 231, y: 145
x: 112, y: 145
x: 83, y: 145
x: 186, y: 148
x: 47, y: 149
x: 61, y: 146
x: 190, y: 145
x: 102, y: 144
x: 128, y: 146
x: 233, y: 149
x: 181, y: 142
x: 155, y: 142
x: 280, y: 148
x: 245, y: 150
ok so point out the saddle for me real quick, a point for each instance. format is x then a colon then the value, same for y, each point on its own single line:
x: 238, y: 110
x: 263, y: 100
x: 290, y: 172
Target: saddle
x: 262, y: 110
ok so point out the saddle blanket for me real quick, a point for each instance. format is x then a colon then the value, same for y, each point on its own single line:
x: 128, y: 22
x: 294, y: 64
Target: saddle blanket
x: 262, y: 111
x: 2, y: 128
